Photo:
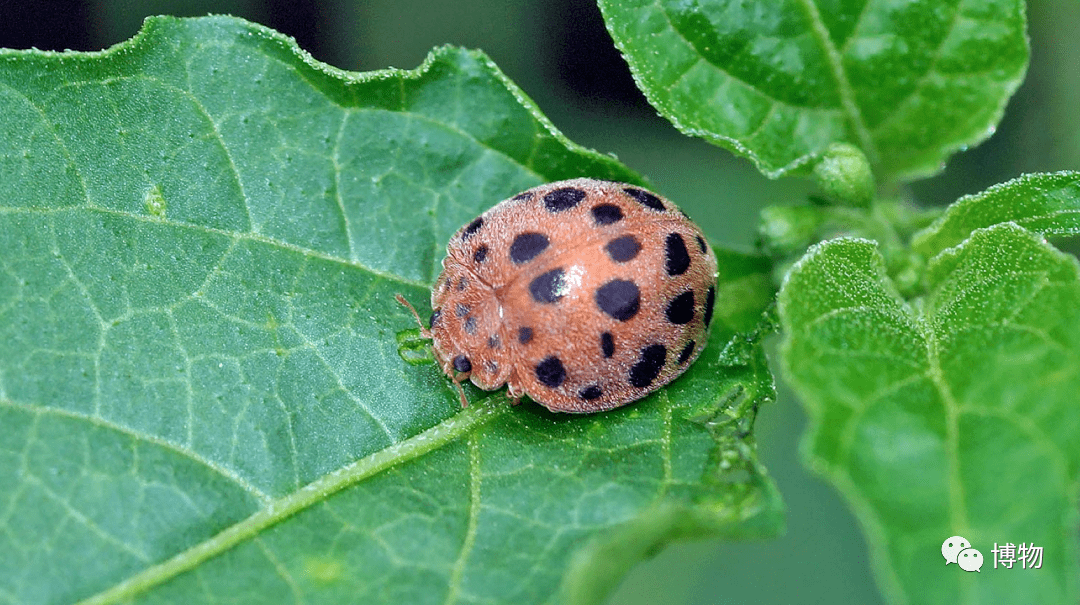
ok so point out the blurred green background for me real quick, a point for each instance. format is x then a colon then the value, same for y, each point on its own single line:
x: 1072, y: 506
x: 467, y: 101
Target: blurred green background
x: 560, y: 54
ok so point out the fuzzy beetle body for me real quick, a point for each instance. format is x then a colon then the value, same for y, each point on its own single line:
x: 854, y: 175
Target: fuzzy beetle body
x: 583, y: 294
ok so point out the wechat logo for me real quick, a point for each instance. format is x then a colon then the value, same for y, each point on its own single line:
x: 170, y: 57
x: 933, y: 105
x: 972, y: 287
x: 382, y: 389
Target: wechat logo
x: 958, y: 550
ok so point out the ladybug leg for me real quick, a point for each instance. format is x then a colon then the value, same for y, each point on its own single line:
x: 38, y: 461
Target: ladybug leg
x: 514, y: 394
x: 426, y: 333
x: 461, y: 392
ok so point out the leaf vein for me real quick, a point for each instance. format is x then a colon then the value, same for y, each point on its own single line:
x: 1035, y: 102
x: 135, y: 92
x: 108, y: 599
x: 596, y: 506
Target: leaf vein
x: 475, y: 482
x: 477, y: 414
x: 139, y: 436
x: 281, y: 569
x: 843, y: 85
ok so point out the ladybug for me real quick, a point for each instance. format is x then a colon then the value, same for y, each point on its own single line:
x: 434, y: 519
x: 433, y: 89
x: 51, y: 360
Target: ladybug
x: 584, y: 295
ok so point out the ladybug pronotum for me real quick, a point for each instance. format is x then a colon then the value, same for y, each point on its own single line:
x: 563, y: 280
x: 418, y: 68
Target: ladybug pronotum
x: 585, y: 295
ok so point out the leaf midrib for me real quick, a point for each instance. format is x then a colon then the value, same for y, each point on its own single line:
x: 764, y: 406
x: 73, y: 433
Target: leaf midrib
x: 927, y: 327
x: 843, y: 85
x: 451, y: 429
x: 844, y: 89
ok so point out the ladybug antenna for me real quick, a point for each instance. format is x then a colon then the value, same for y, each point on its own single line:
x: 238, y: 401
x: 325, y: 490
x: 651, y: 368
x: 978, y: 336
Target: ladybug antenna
x: 423, y: 329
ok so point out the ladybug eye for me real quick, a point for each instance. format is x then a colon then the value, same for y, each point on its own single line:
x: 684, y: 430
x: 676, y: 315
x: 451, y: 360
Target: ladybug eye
x: 462, y: 364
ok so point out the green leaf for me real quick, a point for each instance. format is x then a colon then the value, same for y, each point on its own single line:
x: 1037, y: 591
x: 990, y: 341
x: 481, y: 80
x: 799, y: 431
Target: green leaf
x: 1044, y: 203
x: 202, y: 394
x: 743, y: 292
x: 907, y: 82
x: 955, y: 415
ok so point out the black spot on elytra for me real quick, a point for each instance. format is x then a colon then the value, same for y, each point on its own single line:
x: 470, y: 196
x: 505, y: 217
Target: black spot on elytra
x: 493, y: 341
x: 434, y: 318
x: 645, y: 198
x: 606, y: 214
x: 681, y: 308
x: 472, y: 228
x: 648, y: 367
x: 523, y: 196
x: 623, y: 249
x: 491, y: 366
x: 470, y: 325
x: 701, y: 243
x: 551, y: 372
x: 525, y: 335
x: 607, y: 344
x: 590, y: 392
x: 687, y: 351
x: 462, y: 364
x: 678, y: 259
x: 548, y: 288
x: 527, y: 246
x: 619, y: 298
x: 462, y: 284
x: 480, y: 254
x: 461, y: 310
x: 710, y: 298
x: 563, y: 199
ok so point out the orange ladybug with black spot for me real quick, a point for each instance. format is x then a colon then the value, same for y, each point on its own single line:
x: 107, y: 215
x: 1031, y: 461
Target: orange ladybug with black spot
x: 584, y: 295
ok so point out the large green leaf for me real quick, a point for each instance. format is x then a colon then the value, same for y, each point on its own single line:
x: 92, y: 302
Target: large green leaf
x: 907, y: 82
x: 953, y: 416
x: 202, y: 394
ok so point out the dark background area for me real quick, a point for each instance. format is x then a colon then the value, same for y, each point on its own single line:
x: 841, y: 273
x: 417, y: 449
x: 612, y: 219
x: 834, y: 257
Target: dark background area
x: 560, y: 54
